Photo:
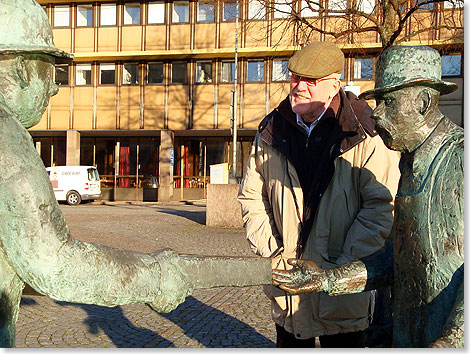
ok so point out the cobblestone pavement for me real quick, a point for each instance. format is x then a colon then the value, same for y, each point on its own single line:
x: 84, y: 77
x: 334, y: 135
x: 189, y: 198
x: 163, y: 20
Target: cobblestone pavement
x: 212, y: 318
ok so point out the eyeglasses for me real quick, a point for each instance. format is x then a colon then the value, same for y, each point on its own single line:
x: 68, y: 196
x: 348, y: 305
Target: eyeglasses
x: 309, y: 82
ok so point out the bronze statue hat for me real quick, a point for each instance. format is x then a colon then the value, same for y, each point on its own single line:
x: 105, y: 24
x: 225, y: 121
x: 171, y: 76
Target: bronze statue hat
x: 404, y: 66
x: 25, y: 28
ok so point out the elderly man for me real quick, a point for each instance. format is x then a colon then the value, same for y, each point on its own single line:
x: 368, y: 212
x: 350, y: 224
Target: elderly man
x: 36, y: 246
x: 319, y: 185
x: 426, y: 261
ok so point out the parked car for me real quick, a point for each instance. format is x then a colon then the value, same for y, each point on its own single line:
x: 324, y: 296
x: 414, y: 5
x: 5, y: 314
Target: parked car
x: 75, y: 183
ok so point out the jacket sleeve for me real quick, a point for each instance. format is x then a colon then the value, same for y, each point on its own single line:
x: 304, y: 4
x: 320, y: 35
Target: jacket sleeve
x: 257, y: 213
x: 378, y: 184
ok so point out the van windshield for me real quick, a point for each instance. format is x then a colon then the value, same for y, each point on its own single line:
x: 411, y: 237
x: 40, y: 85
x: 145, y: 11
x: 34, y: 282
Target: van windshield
x: 93, y: 174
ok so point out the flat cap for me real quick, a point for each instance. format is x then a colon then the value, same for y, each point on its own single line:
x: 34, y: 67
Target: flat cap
x: 317, y: 60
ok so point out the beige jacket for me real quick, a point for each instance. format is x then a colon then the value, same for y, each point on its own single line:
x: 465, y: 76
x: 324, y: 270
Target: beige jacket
x: 353, y: 219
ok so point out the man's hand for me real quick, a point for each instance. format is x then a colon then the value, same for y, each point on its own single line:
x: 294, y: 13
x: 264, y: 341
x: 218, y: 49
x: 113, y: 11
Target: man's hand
x: 306, y: 277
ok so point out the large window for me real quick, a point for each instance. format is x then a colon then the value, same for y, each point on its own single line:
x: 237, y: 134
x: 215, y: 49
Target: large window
x: 205, y: 12
x: 61, y: 16
x: 155, y: 73
x: 180, y: 12
x: 255, y: 70
x: 85, y: 15
x: 309, y: 8
x: 203, y: 72
x: 451, y: 65
x: 256, y: 10
x: 280, y: 72
x: 337, y: 7
x: 83, y: 74
x: 130, y: 73
x: 107, y: 73
x: 61, y: 75
x: 282, y: 8
x: 108, y: 14
x: 366, y: 6
x: 230, y: 10
x: 156, y: 12
x: 132, y: 13
x: 179, y: 73
x: 364, y: 68
x: 228, y: 71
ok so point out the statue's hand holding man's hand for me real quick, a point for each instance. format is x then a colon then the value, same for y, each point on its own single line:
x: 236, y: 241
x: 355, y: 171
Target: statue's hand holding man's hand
x: 306, y: 277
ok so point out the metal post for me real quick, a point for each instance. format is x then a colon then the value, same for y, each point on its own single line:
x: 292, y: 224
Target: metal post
x: 181, y: 172
x: 235, y: 89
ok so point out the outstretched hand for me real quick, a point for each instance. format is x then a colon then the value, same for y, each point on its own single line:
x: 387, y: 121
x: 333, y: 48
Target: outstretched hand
x: 306, y: 277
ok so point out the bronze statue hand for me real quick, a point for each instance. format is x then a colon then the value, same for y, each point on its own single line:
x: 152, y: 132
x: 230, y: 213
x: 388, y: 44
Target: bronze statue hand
x: 306, y: 277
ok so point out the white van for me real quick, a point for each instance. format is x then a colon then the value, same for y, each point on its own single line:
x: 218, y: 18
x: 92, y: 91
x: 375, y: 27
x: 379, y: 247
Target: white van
x: 75, y: 183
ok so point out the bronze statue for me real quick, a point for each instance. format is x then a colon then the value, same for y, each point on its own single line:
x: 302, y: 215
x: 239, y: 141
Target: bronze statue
x: 36, y: 246
x: 424, y: 256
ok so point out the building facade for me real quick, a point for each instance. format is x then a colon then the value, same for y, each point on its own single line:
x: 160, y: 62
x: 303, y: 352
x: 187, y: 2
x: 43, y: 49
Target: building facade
x: 149, y: 96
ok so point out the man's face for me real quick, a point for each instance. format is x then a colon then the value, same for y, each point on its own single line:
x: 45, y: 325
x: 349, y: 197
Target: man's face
x: 398, y: 119
x: 309, y: 97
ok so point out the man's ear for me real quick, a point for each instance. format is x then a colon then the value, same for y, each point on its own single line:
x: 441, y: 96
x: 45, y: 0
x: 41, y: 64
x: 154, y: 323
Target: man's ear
x: 21, y: 72
x: 425, y: 101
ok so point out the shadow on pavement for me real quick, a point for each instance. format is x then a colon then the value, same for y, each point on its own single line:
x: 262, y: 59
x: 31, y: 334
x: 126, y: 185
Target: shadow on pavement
x: 196, y: 216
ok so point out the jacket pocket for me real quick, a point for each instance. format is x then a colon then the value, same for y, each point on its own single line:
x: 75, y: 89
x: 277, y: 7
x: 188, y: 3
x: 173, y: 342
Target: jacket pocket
x: 343, y: 307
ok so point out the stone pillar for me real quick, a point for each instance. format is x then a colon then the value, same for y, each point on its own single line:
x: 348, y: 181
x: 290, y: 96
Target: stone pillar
x: 73, y: 148
x: 165, y: 189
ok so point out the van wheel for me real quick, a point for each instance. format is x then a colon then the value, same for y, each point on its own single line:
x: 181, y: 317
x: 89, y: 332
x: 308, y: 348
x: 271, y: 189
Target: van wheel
x: 73, y: 198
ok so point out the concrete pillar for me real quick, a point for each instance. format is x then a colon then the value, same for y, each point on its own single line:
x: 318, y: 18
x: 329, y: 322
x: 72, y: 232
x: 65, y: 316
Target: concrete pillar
x: 72, y: 157
x: 165, y: 189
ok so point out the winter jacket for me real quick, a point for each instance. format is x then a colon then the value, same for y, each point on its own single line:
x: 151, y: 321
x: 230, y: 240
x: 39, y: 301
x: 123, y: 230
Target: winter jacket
x: 353, y: 215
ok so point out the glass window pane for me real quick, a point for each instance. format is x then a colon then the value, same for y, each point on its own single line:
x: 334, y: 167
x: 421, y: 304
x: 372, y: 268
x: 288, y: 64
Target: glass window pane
x: 228, y: 71
x: 282, y: 9
x: 155, y: 73
x: 255, y: 71
x: 178, y: 73
x: 230, y: 10
x: 256, y: 10
x: 204, y: 72
x: 338, y: 5
x: 451, y: 65
x: 84, y: 15
x: 156, y: 12
x: 107, y: 74
x: 309, y: 9
x: 61, y: 16
x: 132, y: 14
x: 366, y: 6
x: 62, y: 74
x: 205, y: 12
x: 280, y: 71
x: 130, y: 74
x: 363, y: 68
x: 180, y: 12
x: 83, y: 74
x: 108, y: 14
x: 453, y: 3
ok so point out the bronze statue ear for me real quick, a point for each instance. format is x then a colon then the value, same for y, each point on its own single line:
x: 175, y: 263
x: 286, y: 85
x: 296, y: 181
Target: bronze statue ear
x: 21, y: 72
x: 425, y: 99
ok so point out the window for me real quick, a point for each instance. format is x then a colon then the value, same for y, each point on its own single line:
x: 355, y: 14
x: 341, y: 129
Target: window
x: 178, y: 73
x: 83, y: 74
x: 451, y: 65
x: 61, y: 16
x: 427, y: 6
x: 130, y: 74
x: 364, y: 68
x: 280, y: 71
x: 84, y: 15
x: 156, y: 12
x: 282, y: 9
x: 203, y: 72
x: 255, y: 70
x: 108, y: 15
x: 309, y: 9
x: 338, y: 7
x: 132, y: 13
x: 230, y: 11
x: 62, y: 74
x: 453, y: 3
x: 366, y: 6
x: 228, y: 71
x: 107, y: 74
x: 256, y: 10
x: 155, y: 73
x: 180, y: 12
x: 205, y: 12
